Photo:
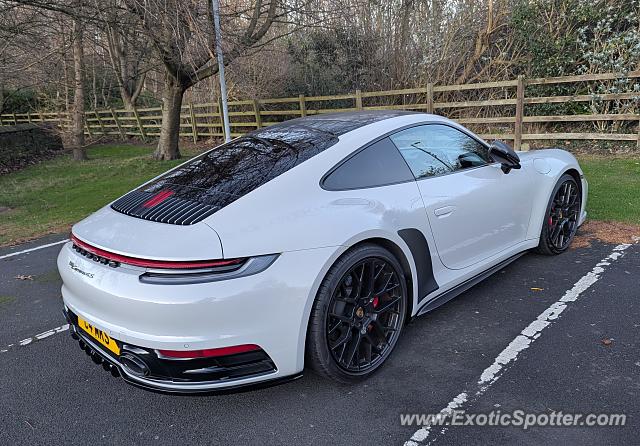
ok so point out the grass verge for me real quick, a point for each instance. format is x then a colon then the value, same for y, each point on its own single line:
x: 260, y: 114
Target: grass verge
x: 51, y: 196
x: 614, y: 188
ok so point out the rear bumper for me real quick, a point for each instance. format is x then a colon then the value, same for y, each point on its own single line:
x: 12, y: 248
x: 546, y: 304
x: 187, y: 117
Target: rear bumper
x: 269, y: 309
x: 112, y: 364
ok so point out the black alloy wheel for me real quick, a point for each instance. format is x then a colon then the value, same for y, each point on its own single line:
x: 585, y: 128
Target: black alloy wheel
x: 364, y: 315
x: 358, y: 315
x: 563, y: 215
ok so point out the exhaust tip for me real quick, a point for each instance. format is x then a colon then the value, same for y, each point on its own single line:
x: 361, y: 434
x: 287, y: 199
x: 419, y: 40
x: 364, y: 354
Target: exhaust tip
x: 134, y: 364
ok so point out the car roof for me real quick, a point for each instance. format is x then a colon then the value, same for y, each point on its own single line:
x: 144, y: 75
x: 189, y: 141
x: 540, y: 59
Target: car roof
x: 333, y: 124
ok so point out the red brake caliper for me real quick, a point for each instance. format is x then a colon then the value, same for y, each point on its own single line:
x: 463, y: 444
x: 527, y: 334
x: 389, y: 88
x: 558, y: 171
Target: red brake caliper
x: 375, y: 305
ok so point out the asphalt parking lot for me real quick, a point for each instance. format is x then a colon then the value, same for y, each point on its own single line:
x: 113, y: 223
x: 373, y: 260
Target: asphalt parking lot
x: 478, y: 352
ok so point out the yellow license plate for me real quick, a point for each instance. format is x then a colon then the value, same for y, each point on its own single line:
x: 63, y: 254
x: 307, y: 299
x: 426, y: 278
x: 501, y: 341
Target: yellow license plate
x: 99, y: 335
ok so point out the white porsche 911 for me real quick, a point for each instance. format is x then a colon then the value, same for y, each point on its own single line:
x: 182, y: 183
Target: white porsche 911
x: 310, y: 242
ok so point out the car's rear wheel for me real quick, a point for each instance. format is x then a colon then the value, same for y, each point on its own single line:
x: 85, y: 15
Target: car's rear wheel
x: 561, y: 218
x: 358, y: 315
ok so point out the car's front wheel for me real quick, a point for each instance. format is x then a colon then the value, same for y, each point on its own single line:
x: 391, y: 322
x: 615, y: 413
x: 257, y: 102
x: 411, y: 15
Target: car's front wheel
x: 358, y: 314
x: 561, y: 218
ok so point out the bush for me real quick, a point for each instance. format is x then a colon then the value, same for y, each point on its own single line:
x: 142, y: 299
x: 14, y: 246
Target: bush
x: 25, y: 144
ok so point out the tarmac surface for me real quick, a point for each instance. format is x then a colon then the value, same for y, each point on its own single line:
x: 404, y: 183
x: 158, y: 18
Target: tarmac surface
x: 586, y: 361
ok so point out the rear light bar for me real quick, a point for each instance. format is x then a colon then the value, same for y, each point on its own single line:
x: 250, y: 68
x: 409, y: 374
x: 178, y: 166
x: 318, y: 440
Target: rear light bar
x: 113, y: 257
x: 209, y: 353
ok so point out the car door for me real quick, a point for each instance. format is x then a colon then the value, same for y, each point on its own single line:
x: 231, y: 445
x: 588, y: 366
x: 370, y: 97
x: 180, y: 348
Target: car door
x: 474, y: 209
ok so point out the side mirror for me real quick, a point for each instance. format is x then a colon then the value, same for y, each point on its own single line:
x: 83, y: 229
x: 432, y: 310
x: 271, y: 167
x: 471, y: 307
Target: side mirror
x: 503, y: 153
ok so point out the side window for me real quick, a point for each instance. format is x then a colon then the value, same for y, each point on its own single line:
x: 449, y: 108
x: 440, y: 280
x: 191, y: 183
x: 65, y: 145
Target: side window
x: 377, y: 165
x: 436, y: 149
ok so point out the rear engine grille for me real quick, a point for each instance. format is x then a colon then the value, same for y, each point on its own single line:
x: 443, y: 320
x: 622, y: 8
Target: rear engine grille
x: 171, y: 210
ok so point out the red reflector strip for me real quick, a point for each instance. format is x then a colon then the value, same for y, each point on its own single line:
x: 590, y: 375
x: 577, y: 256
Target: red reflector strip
x: 210, y: 352
x: 153, y: 263
x: 157, y: 199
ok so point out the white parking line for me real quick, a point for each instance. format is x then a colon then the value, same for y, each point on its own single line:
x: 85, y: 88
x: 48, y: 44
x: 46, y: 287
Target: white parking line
x: 38, y: 337
x: 5, y: 256
x: 523, y: 341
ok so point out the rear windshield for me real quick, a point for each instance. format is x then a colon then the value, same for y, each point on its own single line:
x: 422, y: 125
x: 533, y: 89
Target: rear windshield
x: 222, y: 175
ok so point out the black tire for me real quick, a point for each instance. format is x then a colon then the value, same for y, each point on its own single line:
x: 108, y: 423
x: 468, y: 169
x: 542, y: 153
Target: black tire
x: 561, y: 217
x: 349, y: 316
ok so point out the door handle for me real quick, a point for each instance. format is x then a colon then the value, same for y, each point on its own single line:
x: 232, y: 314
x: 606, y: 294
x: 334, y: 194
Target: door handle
x: 444, y: 211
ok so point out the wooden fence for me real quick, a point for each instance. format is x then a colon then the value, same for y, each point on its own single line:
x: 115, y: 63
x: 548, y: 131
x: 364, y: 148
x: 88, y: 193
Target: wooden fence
x: 520, y: 110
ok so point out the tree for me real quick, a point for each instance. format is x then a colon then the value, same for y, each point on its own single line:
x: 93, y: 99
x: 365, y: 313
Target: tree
x: 72, y: 10
x: 182, y: 35
x: 127, y: 55
x: 77, y: 117
x: 18, y: 27
x: 128, y: 51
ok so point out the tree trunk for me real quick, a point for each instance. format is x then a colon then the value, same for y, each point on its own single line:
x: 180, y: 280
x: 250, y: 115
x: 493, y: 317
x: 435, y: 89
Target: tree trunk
x: 170, y: 131
x: 127, y: 100
x: 130, y: 80
x: 1, y: 94
x: 77, y: 117
x: 67, y: 83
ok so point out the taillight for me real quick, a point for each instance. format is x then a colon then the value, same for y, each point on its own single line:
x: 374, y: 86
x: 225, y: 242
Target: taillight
x: 209, y: 353
x: 101, y: 255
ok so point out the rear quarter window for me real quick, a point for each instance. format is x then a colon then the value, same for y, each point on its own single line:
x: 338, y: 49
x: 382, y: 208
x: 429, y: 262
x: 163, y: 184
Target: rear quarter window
x: 379, y: 164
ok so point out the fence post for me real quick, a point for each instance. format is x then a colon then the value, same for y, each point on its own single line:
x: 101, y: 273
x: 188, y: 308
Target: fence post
x: 430, y: 97
x: 638, y: 133
x: 224, y: 135
x: 95, y: 112
x: 41, y: 116
x: 359, y: 99
x: 115, y: 119
x: 139, y: 121
x: 15, y: 119
x: 86, y: 124
x: 303, y: 105
x: 517, y: 137
x: 194, y: 126
x: 1, y: 123
x: 256, y: 112
x: 59, y: 120
x: 29, y: 116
